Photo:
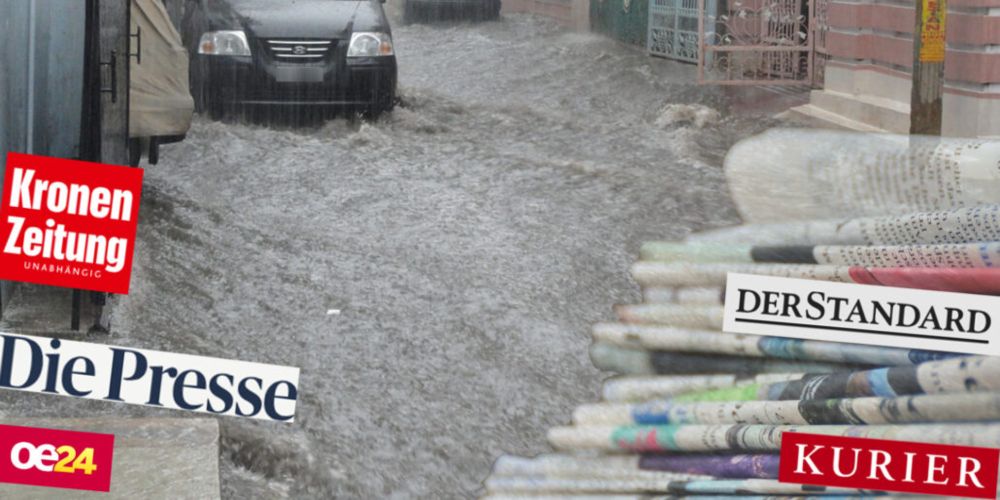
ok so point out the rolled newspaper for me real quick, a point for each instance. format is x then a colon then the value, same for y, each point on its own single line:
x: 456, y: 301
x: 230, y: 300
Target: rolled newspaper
x: 706, y: 295
x: 547, y: 485
x: 951, y: 255
x: 684, y: 274
x: 645, y: 388
x: 705, y: 438
x: 660, y: 338
x: 960, y: 225
x: 573, y: 466
x: 642, y: 362
x: 705, y: 317
x: 967, y: 280
x: 824, y: 173
x: 973, y: 407
x: 949, y: 376
x: 739, y: 466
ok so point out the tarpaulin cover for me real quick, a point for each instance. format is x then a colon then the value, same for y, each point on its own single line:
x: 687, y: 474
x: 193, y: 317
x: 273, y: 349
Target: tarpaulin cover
x: 161, y: 102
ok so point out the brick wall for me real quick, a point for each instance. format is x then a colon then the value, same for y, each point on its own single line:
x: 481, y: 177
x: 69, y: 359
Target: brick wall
x: 871, y: 48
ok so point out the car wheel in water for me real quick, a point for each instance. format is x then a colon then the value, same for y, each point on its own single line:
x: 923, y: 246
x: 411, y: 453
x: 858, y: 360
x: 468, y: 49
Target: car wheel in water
x: 215, y: 107
x: 134, y: 151
x: 384, y: 103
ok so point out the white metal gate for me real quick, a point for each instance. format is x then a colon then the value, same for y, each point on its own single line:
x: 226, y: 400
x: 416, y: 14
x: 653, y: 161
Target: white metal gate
x: 756, y: 42
x: 673, y: 28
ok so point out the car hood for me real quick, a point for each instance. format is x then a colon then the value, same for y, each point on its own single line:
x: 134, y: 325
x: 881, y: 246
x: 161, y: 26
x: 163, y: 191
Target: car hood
x: 298, y: 18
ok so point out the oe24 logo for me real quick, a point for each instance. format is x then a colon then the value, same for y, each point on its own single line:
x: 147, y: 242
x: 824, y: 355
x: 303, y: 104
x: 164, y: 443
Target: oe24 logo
x: 48, y: 458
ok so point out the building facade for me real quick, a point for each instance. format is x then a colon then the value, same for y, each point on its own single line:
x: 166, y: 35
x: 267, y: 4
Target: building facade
x: 866, y: 84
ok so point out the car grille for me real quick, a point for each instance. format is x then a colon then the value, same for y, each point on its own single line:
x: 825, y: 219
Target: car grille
x: 300, y: 51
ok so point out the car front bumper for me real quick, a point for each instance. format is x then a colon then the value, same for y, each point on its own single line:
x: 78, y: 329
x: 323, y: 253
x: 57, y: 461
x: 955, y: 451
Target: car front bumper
x: 341, y: 81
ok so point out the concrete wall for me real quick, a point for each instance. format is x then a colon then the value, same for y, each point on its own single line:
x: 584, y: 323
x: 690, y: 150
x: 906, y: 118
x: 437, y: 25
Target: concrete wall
x: 41, y: 83
x: 867, y: 81
x: 574, y: 14
x: 13, y: 34
x: 53, y: 74
x: 13, y: 80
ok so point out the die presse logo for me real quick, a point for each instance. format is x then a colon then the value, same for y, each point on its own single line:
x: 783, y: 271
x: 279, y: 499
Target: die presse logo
x: 68, y: 223
x: 56, y: 458
x: 151, y: 378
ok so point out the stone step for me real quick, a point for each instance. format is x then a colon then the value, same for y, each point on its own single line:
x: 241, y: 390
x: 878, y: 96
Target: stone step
x: 856, y: 112
x: 44, y: 310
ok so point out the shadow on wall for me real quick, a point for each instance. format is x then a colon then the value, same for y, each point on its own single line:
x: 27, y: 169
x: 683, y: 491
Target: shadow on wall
x: 625, y: 20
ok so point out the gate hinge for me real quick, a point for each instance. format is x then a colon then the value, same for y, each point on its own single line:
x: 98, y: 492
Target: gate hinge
x: 138, y: 45
x: 113, y: 87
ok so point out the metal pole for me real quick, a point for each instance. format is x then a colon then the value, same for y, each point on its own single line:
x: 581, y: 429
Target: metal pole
x: 74, y: 315
x: 90, y: 113
x: 928, y: 67
x: 30, y: 118
x: 809, y: 30
x: 702, y: 44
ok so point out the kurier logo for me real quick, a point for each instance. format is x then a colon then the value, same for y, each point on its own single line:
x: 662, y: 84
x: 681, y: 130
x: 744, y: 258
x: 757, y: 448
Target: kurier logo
x: 885, y: 465
x: 68, y: 223
x: 56, y: 458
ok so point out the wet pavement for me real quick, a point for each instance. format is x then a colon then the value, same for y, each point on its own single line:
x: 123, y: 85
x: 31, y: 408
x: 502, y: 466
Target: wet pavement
x: 433, y: 273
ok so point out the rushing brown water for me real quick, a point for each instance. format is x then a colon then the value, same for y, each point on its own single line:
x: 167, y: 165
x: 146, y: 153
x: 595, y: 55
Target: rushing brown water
x: 467, y: 240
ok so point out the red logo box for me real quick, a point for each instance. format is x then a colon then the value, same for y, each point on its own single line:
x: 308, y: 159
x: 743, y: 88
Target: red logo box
x: 56, y: 458
x: 883, y: 465
x: 68, y: 223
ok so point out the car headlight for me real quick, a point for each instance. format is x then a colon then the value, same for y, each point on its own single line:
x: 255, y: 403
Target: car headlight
x: 224, y: 43
x: 370, y: 44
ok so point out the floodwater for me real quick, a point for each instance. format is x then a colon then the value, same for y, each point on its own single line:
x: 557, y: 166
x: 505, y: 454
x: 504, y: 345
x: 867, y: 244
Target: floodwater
x: 433, y: 273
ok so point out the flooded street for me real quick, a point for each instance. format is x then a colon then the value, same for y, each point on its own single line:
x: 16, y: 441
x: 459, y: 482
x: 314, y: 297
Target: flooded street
x: 433, y: 273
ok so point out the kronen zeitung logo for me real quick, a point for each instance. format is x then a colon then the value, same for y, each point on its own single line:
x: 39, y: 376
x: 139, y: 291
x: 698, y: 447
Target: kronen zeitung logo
x: 150, y: 378
x: 862, y: 314
x: 68, y: 223
x: 53, y: 241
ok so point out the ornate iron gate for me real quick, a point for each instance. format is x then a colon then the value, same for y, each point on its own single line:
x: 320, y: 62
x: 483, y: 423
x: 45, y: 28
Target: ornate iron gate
x: 673, y: 28
x: 818, y: 27
x: 755, y: 42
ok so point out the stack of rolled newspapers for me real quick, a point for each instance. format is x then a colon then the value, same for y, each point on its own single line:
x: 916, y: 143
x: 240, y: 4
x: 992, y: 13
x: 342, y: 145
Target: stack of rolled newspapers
x: 695, y: 411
